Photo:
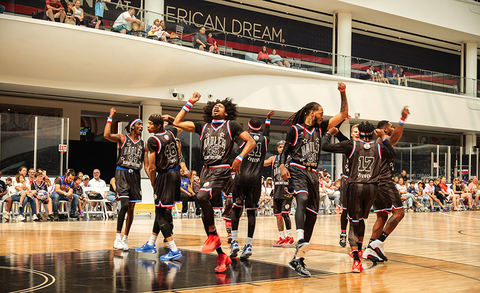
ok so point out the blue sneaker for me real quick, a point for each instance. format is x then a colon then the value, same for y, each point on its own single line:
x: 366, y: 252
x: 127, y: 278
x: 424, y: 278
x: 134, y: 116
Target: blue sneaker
x: 147, y: 248
x: 247, y: 251
x: 172, y: 255
x: 234, y: 249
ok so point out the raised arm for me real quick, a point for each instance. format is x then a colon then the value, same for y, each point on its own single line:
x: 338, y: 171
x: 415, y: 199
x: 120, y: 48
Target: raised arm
x: 249, y: 146
x: 107, y: 133
x: 266, y: 130
x: 388, y: 152
x: 179, y: 122
x: 337, y: 119
x: 398, y: 131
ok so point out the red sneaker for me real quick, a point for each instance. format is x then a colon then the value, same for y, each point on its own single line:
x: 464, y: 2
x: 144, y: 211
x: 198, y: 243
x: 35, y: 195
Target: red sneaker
x: 360, y: 254
x: 280, y: 242
x: 357, y: 266
x: 288, y: 241
x: 222, y: 262
x: 213, y: 242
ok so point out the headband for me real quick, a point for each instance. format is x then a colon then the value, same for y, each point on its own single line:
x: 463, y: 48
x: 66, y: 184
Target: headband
x: 254, y: 128
x: 133, y: 123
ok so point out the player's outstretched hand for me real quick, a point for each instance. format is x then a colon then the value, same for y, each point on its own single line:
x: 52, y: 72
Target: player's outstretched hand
x: 112, y: 112
x: 380, y: 133
x: 405, y: 112
x: 167, y: 117
x: 333, y: 131
x: 195, y: 97
x: 342, y: 87
x: 270, y: 114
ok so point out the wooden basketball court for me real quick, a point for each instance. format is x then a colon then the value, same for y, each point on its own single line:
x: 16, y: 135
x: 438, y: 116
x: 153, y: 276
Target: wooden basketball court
x: 429, y: 252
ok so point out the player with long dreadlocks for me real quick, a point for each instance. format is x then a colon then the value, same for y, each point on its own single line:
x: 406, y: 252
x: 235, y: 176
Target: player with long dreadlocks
x: 365, y: 157
x: 131, y: 158
x: 217, y: 136
x: 303, y: 145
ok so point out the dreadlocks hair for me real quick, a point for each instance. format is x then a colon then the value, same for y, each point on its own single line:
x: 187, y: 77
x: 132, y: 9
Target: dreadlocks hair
x: 300, y: 115
x: 129, y: 129
x: 230, y: 109
x: 382, y: 124
x: 366, y: 129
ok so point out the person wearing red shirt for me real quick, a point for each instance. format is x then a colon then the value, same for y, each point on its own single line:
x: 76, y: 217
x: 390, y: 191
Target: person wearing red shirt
x: 54, y: 9
x: 263, y: 56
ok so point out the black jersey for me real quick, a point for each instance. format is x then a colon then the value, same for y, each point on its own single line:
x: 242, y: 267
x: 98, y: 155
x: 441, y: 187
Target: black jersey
x: 131, y: 154
x: 386, y: 171
x: 277, y: 177
x: 251, y: 168
x: 365, y: 162
x: 306, y: 144
x: 165, y: 147
x: 216, y: 141
x: 345, y: 166
x: 42, y: 187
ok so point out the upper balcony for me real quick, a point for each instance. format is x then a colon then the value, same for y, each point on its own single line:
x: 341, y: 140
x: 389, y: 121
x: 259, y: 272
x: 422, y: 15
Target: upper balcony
x: 63, y: 61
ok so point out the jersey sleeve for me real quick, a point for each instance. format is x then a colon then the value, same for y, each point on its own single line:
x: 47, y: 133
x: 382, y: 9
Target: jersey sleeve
x: 324, y: 127
x: 58, y: 181
x: 345, y: 146
x: 199, y: 127
x: 152, y: 144
x: 291, y: 135
x: 235, y: 128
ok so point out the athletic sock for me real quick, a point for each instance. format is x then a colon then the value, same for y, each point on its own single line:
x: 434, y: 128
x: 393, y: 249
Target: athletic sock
x: 289, y: 233
x: 370, y: 241
x: 228, y: 223
x: 152, y: 240
x: 234, y: 235
x: 343, y: 232
x: 249, y: 240
x: 119, y: 236
x: 355, y: 255
x: 300, y: 234
x: 212, y: 232
x: 359, y: 244
x: 382, y: 236
x: 172, y: 246
x: 125, y: 238
x: 282, y: 234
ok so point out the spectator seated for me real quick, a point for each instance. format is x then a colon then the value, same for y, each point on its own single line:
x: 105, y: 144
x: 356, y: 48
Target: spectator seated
x: 253, y: 57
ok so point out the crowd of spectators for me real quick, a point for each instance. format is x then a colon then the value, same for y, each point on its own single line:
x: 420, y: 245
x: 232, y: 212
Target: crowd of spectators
x: 34, y: 188
x: 388, y: 76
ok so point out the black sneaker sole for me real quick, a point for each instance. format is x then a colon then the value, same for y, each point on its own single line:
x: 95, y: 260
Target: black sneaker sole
x: 374, y: 258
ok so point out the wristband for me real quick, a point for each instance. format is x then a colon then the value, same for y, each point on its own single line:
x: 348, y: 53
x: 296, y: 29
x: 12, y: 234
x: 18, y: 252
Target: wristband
x: 401, y: 122
x: 187, y: 106
x: 239, y: 159
x: 109, y: 120
x: 385, y: 139
x: 267, y: 122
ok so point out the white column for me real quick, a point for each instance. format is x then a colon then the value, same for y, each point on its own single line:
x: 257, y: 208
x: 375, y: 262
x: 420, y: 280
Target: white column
x: 345, y: 129
x: 470, y: 141
x: 342, y: 32
x: 157, y: 7
x: 471, y: 69
x: 146, y: 109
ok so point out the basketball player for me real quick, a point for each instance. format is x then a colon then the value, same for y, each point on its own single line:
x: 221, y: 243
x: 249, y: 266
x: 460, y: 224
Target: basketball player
x: 164, y: 174
x: 364, y: 157
x: 282, y: 200
x: 127, y: 175
x: 303, y: 144
x: 227, y: 211
x: 343, y: 189
x: 248, y: 185
x: 388, y: 199
x: 217, y: 135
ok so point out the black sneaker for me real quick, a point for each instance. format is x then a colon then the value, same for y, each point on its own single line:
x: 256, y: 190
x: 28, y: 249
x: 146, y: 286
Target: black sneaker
x: 299, y: 266
x: 73, y: 216
x: 51, y: 218
x: 343, y: 240
x: 56, y: 217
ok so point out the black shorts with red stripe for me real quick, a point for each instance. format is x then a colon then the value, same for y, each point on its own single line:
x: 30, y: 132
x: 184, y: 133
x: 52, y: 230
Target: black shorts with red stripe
x: 360, y: 200
x: 388, y: 198
x: 246, y: 196
x: 213, y: 180
x: 167, y: 188
x: 128, y: 185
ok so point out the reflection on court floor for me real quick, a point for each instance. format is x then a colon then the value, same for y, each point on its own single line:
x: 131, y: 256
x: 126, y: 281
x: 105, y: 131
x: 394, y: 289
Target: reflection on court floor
x: 112, y: 271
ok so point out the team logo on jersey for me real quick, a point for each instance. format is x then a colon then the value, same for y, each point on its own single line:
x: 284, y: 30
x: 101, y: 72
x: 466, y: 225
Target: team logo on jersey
x: 206, y: 184
x: 154, y: 196
x: 366, y: 146
x: 255, y: 137
x: 166, y: 137
x: 287, y: 206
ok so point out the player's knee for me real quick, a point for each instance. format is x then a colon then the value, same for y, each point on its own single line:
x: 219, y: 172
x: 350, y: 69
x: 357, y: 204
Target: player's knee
x: 124, y: 208
x: 203, y: 197
x: 382, y: 216
x: 399, y: 214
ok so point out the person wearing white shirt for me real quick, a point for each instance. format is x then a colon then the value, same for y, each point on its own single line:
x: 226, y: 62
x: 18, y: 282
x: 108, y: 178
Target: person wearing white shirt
x: 98, y: 185
x: 124, y: 21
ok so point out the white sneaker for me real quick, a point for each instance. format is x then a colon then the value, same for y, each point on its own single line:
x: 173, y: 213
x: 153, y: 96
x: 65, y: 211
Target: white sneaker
x: 378, y: 247
x: 118, y: 244
x: 6, y: 217
x: 20, y: 218
x: 35, y: 218
x: 125, y: 245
